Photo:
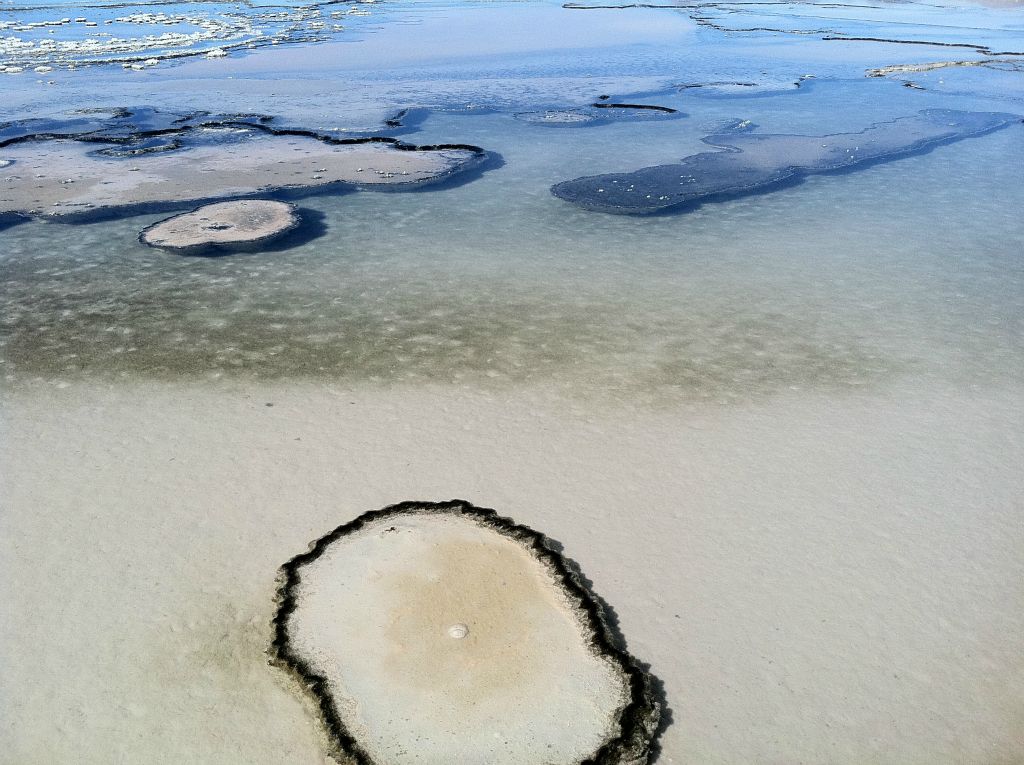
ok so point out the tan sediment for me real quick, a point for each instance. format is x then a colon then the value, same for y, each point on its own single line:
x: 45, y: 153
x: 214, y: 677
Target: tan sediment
x: 444, y: 638
x: 239, y: 223
x: 54, y: 178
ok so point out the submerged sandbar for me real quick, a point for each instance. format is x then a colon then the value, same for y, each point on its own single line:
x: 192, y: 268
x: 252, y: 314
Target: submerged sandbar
x: 751, y: 163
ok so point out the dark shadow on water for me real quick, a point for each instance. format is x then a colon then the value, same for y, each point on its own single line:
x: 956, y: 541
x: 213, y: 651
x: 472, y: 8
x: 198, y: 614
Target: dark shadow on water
x: 489, y: 161
x: 407, y: 120
x: 9, y: 220
x: 313, y: 226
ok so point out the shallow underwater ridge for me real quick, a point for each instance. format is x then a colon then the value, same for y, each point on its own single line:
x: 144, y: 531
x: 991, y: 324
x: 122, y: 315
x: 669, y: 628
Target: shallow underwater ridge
x: 473, y: 640
x: 750, y: 163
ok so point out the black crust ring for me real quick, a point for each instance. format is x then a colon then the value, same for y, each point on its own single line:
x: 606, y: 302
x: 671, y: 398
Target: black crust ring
x: 639, y: 719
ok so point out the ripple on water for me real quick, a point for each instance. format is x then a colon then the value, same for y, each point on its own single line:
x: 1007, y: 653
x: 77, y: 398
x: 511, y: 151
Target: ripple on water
x: 140, y: 35
x: 64, y: 321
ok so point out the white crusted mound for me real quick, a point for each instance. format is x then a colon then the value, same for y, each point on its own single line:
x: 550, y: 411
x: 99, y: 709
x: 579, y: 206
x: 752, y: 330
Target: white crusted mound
x: 240, y: 224
x: 443, y: 639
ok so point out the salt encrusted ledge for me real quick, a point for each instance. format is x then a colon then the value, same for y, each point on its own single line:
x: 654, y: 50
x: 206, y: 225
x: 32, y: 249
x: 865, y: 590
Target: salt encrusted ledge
x: 363, y: 622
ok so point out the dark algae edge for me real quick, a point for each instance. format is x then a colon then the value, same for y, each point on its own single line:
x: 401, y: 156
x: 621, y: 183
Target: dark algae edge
x: 649, y: 107
x: 639, y: 719
x: 121, y: 132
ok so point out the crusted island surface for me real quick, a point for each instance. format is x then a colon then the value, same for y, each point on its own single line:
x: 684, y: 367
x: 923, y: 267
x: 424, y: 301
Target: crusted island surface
x: 65, y: 178
x: 443, y: 632
x: 241, y: 224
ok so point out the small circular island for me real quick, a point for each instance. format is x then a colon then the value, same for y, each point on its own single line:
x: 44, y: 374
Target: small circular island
x: 238, y: 225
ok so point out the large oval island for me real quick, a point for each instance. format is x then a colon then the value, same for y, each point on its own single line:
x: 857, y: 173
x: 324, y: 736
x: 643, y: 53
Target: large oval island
x: 444, y: 633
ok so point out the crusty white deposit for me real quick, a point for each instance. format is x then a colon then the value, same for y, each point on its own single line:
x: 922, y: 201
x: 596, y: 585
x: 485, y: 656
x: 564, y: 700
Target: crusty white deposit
x: 442, y: 639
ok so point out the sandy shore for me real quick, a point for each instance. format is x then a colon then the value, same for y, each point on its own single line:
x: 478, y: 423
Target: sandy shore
x: 815, y: 578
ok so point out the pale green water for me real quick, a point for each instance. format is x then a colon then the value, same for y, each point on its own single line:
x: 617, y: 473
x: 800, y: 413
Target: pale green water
x: 906, y: 268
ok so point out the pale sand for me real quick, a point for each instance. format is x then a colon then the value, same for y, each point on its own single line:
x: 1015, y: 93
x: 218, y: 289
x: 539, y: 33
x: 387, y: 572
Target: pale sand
x: 815, y: 578
x: 54, y: 178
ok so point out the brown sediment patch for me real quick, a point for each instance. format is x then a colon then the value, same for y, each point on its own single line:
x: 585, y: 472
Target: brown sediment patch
x: 238, y: 225
x: 60, y: 178
x: 442, y: 632
x: 187, y: 321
